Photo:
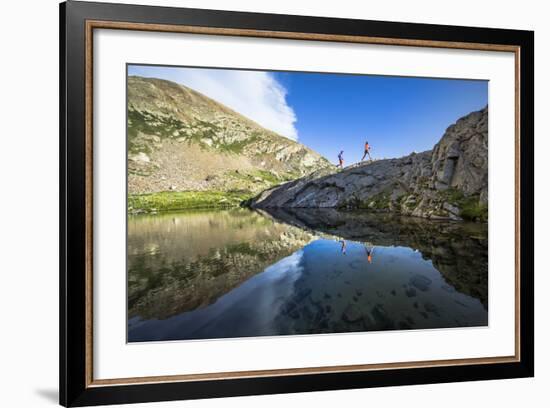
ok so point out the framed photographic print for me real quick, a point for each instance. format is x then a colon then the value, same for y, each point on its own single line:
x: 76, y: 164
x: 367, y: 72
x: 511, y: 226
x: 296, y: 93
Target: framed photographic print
x: 255, y: 203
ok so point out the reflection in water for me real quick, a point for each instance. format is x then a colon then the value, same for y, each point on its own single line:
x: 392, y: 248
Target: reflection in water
x: 238, y: 273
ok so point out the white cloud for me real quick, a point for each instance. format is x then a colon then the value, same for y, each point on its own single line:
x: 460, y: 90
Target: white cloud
x: 256, y: 95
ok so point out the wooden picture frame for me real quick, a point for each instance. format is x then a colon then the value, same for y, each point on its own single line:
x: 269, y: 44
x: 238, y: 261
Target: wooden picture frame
x: 78, y: 20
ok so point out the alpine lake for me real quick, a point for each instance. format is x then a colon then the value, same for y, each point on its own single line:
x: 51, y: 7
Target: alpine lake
x: 206, y: 274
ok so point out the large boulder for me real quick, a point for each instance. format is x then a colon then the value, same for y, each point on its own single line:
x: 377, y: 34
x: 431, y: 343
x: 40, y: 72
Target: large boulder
x: 459, y: 160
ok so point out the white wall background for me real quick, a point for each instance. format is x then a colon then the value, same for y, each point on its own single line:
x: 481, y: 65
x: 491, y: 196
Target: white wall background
x: 29, y: 203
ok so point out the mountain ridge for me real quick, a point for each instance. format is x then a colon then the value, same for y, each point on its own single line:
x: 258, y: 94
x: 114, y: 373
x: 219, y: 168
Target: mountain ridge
x: 181, y: 140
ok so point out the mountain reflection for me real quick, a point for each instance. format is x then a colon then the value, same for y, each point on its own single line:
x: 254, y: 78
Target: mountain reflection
x: 239, y: 273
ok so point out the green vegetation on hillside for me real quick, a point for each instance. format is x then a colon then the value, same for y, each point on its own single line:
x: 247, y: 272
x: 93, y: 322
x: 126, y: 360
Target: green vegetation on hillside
x: 166, y: 127
x: 238, y: 146
x: 252, y: 176
x: 183, y: 200
x: 149, y: 124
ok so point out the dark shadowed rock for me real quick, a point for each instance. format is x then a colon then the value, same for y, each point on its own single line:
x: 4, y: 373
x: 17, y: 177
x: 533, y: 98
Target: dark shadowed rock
x: 383, y: 321
x: 352, y: 313
x: 430, y: 307
x: 410, y: 292
x: 421, y: 282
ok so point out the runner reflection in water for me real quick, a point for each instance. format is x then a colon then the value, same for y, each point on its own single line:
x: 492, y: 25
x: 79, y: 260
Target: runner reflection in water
x: 369, y: 253
x: 343, y: 249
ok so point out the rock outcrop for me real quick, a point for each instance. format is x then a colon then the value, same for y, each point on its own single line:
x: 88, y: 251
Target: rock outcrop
x: 448, y: 182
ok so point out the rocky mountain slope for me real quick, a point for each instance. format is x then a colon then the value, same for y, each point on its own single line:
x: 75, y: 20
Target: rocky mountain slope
x: 181, y: 140
x: 448, y: 182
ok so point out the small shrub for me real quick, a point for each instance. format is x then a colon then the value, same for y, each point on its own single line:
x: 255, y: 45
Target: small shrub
x: 470, y: 207
x: 472, y: 210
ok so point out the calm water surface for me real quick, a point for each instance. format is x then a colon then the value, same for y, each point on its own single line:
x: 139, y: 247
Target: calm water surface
x: 238, y: 273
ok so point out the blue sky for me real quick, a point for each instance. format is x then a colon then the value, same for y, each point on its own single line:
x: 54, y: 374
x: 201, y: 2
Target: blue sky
x: 333, y: 112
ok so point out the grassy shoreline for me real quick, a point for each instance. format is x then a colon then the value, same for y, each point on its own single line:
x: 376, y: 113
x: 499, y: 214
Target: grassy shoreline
x: 184, y: 200
x: 153, y: 203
